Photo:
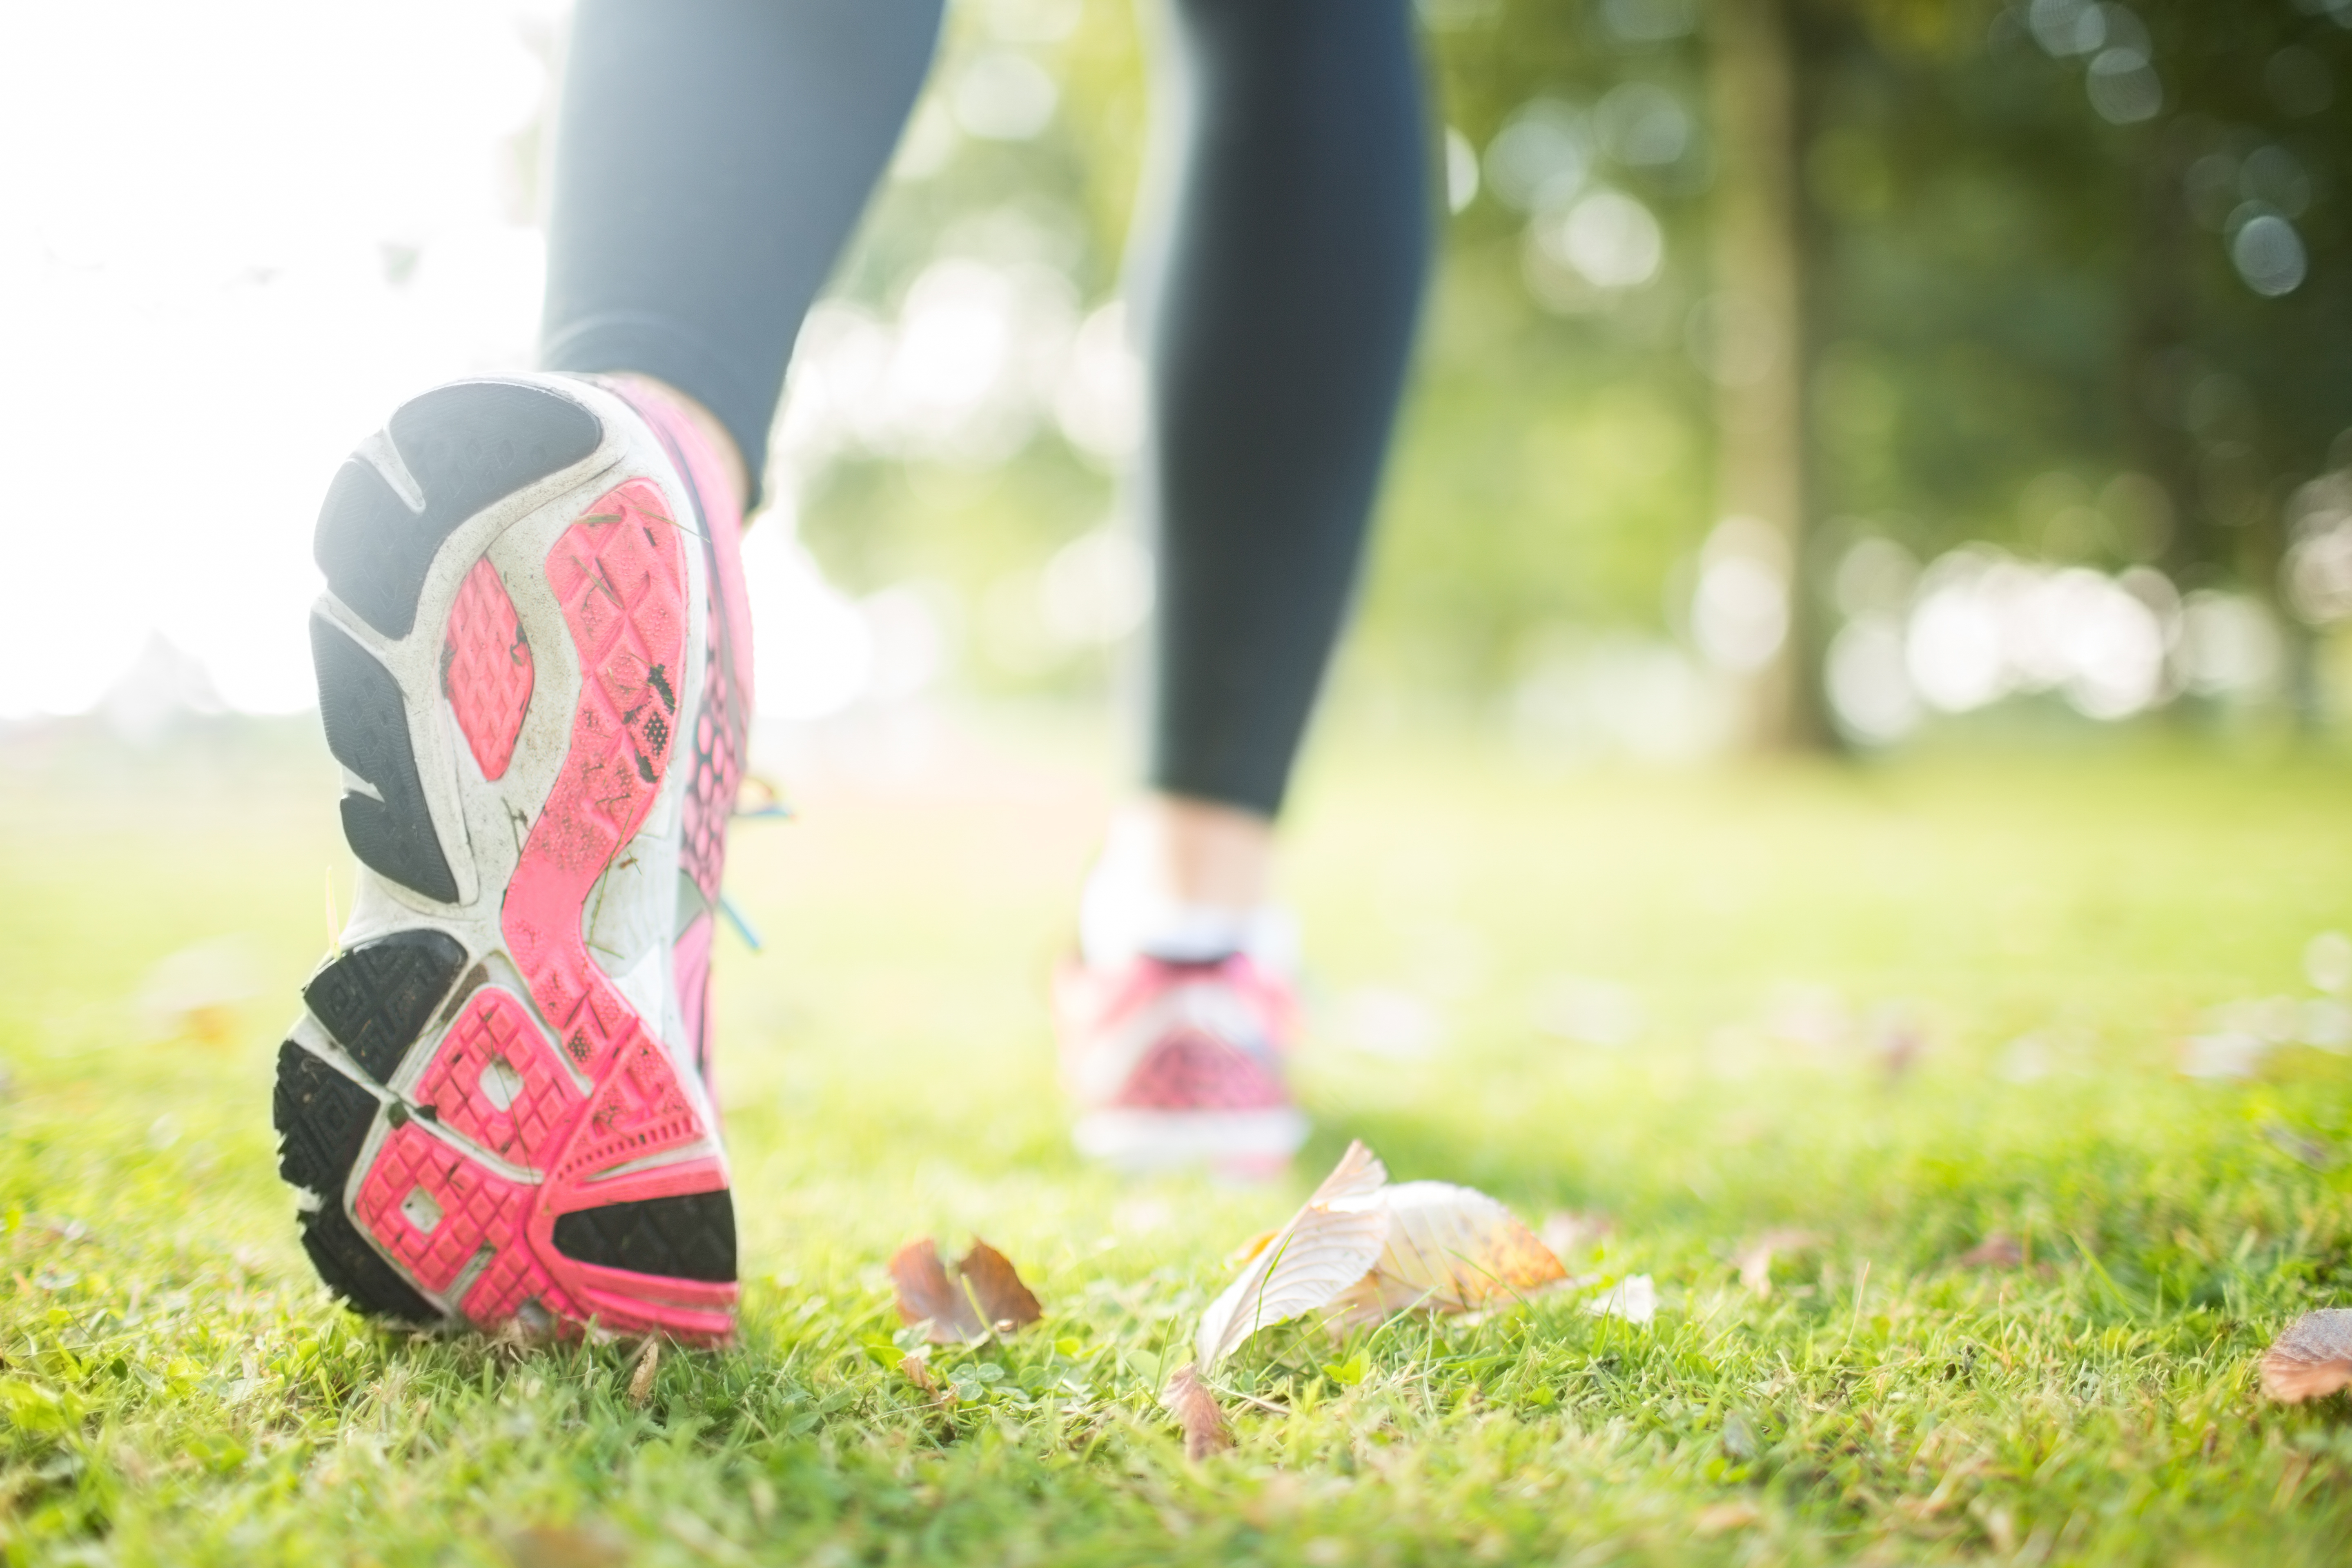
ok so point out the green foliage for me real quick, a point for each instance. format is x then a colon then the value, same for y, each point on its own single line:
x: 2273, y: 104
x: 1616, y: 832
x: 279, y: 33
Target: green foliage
x: 2012, y: 300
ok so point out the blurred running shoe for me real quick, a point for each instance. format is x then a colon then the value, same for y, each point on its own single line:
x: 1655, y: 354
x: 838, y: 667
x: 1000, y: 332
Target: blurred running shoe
x: 1180, y: 1064
x: 534, y: 665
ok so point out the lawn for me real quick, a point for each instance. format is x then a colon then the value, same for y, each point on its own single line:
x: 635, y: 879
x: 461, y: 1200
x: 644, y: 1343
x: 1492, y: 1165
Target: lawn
x: 1932, y: 1013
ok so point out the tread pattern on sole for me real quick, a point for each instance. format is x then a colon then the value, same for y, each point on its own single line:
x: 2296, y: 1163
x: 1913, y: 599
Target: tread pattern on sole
x: 367, y: 730
x: 495, y: 1079
x: 620, y: 575
x: 687, y: 1237
x: 487, y: 672
x: 376, y: 999
x: 432, y: 1207
x: 465, y: 445
x: 322, y: 1120
x: 355, y: 1272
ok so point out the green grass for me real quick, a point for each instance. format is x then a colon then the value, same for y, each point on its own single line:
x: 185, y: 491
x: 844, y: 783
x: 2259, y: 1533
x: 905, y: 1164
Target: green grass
x: 178, y: 1389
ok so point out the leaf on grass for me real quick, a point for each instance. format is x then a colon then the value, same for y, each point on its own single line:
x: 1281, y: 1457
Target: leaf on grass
x: 1188, y: 1399
x: 641, y: 1382
x: 1371, y: 1249
x: 2312, y: 1359
x: 563, y: 1546
x: 2297, y: 1146
x: 1451, y: 1249
x: 1755, y: 1260
x: 1005, y: 1302
x: 1999, y: 1250
x: 1717, y: 1518
x: 918, y: 1371
x: 926, y: 1295
x: 1252, y: 1247
x: 1328, y: 1246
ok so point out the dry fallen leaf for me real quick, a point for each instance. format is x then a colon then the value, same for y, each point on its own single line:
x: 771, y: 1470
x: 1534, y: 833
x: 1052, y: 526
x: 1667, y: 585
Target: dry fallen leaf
x: 1005, y: 1302
x: 1451, y: 1249
x: 926, y: 1294
x: 1252, y: 1247
x: 641, y: 1382
x: 2295, y: 1145
x: 2312, y: 1359
x: 1720, y: 1517
x: 562, y: 1546
x: 1999, y: 1250
x: 918, y: 1371
x: 1326, y: 1246
x: 1188, y: 1399
x: 1755, y: 1260
x: 1371, y: 1250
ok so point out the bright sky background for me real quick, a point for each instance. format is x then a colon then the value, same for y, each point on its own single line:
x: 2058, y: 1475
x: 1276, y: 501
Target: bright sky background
x: 197, y: 320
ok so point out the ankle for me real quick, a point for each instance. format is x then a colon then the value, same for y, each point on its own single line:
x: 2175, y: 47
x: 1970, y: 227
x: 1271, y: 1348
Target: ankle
x: 1191, y: 851
x: 705, y: 423
x: 1184, y: 881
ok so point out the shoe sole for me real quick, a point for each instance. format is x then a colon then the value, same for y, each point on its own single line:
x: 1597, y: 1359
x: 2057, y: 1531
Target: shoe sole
x: 482, y: 1124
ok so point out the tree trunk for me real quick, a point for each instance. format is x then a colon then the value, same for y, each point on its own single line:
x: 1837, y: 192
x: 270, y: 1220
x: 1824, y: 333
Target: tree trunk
x: 1759, y: 281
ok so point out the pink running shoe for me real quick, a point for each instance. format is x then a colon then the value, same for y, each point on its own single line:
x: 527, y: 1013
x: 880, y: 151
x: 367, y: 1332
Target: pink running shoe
x: 1180, y: 1064
x: 534, y: 665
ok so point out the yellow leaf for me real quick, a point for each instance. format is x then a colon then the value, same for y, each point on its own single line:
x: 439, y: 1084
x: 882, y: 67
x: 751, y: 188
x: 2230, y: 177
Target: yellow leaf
x: 1451, y: 1249
x: 1371, y: 1250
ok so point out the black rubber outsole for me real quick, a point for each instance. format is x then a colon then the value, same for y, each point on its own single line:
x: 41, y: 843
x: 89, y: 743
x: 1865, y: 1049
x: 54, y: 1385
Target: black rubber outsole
x: 322, y: 1120
x: 367, y: 730
x: 689, y: 1237
x: 465, y: 445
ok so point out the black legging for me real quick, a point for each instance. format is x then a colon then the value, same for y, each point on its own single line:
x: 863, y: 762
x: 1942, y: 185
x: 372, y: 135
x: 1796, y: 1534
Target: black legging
x: 713, y: 156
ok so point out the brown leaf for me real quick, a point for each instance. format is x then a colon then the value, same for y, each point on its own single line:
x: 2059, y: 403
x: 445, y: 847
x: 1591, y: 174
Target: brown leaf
x: 562, y: 1546
x: 926, y: 1294
x: 1328, y: 1246
x: 1451, y: 1249
x: 1755, y: 1260
x: 2310, y: 1151
x: 2312, y: 1359
x: 1005, y: 1302
x: 641, y: 1382
x: 1720, y: 1517
x: 918, y: 1371
x: 1188, y: 1399
x: 1999, y: 1250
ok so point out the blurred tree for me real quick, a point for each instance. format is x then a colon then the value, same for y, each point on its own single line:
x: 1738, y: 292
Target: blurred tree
x: 2066, y: 276
x: 1755, y: 323
x: 2079, y: 275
